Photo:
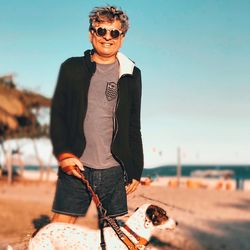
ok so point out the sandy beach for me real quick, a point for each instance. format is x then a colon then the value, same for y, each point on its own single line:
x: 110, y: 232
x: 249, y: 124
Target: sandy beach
x: 208, y: 219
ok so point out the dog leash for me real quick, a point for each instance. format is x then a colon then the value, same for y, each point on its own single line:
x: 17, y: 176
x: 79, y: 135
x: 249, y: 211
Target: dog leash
x: 104, y: 217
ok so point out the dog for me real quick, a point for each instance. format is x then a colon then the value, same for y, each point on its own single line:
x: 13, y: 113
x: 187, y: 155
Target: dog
x: 143, y: 221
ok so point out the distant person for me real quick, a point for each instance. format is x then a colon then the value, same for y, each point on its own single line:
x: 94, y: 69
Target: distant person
x: 95, y: 122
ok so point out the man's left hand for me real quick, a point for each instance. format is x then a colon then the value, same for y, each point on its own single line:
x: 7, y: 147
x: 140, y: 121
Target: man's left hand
x: 131, y: 187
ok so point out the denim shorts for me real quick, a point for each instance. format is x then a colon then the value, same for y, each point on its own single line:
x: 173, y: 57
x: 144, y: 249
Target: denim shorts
x: 73, y: 198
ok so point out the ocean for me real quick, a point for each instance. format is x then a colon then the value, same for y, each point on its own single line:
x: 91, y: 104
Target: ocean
x: 240, y: 171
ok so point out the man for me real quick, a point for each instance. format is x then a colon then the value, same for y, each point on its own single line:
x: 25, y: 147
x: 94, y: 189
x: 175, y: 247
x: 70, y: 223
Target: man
x: 95, y: 122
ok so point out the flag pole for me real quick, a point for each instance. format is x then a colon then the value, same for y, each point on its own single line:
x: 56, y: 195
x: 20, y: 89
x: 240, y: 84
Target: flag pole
x: 178, y: 172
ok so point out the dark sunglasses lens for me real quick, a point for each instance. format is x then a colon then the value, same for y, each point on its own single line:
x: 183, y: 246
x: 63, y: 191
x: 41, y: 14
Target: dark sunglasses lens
x: 101, y: 31
x: 114, y: 33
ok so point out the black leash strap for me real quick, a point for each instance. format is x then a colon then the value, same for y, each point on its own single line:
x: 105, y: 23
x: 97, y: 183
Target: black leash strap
x: 101, y: 225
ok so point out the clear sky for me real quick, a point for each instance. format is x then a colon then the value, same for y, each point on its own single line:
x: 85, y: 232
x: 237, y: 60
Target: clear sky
x: 195, y: 61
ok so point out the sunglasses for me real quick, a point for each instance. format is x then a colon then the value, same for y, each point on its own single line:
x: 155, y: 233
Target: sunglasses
x: 103, y: 31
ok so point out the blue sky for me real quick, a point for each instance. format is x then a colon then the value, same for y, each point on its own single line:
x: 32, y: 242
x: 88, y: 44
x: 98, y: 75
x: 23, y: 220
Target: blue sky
x: 194, y: 56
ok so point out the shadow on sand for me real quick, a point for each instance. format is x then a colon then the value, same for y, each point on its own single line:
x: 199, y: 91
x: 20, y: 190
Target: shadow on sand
x: 223, y: 234
x: 159, y: 244
x: 40, y: 222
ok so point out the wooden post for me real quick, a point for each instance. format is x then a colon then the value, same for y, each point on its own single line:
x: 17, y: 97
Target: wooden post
x: 20, y: 162
x: 178, y: 172
x: 49, y: 169
x: 39, y: 160
x: 1, y: 166
x: 9, y: 166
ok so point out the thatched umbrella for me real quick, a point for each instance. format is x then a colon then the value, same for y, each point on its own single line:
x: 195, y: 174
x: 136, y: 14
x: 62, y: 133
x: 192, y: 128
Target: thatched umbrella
x: 9, y: 109
x: 17, y: 108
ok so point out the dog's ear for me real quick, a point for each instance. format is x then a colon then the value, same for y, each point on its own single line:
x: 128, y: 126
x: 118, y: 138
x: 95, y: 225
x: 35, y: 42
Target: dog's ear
x: 156, y: 214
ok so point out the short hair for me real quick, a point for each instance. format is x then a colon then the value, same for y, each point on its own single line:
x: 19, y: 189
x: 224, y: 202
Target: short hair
x: 108, y: 14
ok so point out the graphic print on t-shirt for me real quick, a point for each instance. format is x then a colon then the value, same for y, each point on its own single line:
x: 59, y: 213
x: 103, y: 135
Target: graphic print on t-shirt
x: 111, y: 91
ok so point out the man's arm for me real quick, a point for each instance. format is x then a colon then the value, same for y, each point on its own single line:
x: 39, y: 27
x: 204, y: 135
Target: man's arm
x: 58, y: 116
x: 58, y: 125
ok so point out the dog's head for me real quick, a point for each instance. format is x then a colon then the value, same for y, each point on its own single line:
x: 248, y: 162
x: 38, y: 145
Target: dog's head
x: 159, y: 218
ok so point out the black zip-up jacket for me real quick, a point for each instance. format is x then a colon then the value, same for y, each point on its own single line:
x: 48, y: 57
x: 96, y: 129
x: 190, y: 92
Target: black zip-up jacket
x: 69, y: 106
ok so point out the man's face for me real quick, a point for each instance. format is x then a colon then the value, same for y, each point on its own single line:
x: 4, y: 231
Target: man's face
x: 106, y: 46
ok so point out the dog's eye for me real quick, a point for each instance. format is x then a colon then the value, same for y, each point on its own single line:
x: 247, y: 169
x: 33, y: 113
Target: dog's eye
x: 156, y: 222
x: 136, y: 208
x: 162, y: 211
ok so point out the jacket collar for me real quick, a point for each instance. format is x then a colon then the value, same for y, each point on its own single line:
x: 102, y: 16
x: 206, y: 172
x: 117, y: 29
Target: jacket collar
x: 126, y: 65
x: 89, y: 63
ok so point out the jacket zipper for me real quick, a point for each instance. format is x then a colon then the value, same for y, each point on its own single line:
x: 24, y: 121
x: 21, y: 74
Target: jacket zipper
x: 116, y: 126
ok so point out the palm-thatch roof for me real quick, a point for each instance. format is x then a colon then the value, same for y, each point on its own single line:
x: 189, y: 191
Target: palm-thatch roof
x: 17, y: 107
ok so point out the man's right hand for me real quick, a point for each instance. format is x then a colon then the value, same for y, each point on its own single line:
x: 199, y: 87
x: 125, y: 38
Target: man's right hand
x: 71, y: 162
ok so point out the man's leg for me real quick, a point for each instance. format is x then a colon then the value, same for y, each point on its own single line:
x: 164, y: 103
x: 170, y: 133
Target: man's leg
x: 71, y: 199
x: 111, y: 190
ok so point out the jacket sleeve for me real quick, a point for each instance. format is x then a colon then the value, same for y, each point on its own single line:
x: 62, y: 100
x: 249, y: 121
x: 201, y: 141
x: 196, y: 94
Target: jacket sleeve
x: 135, y: 127
x: 58, y: 115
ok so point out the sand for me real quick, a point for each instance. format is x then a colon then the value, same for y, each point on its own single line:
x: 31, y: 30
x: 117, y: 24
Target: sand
x: 208, y: 219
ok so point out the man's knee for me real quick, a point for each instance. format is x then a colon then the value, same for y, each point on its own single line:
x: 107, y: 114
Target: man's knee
x: 63, y: 218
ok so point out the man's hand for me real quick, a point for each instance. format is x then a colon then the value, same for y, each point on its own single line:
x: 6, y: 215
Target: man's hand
x: 131, y: 187
x: 71, y: 162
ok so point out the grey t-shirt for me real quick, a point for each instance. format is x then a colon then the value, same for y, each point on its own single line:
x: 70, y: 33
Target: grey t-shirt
x: 98, y: 123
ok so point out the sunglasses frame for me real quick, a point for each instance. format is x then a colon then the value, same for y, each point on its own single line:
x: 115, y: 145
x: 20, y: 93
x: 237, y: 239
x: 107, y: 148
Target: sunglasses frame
x: 105, y: 32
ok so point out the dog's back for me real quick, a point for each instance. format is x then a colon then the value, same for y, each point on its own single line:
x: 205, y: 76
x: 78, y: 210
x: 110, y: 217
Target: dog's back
x: 64, y: 236
x: 72, y: 237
